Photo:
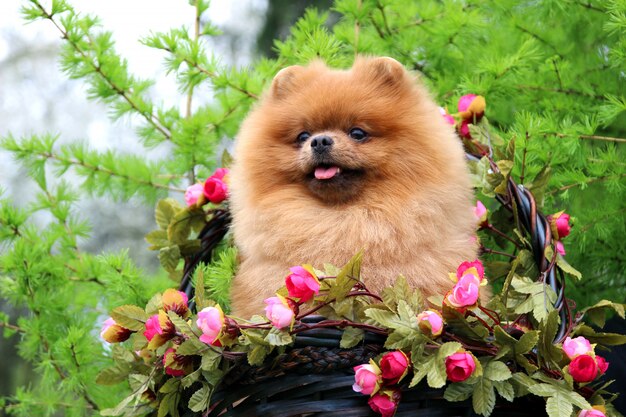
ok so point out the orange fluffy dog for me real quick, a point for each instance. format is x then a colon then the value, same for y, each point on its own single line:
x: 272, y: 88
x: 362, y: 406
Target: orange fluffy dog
x: 331, y: 162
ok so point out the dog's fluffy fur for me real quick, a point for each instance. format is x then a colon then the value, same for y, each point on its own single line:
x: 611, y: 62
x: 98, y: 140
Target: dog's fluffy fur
x: 402, y: 193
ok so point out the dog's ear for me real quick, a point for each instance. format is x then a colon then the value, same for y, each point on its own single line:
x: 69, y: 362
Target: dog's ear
x: 383, y: 69
x: 284, y: 80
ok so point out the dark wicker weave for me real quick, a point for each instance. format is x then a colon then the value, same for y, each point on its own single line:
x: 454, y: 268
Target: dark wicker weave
x: 315, y: 376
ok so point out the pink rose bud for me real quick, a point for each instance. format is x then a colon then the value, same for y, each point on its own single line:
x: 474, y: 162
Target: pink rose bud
x: 152, y: 327
x: 559, y: 225
x: 302, y: 284
x: 366, y: 379
x: 193, y: 193
x: 171, y: 363
x: 591, y: 413
x: 447, y: 117
x: 560, y: 248
x: 430, y: 323
x: 460, y: 366
x: 474, y: 267
x: 471, y: 107
x: 464, y: 293
x: 385, y: 402
x: 211, y: 322
x: 394, y: 366
x: 215, y: 188
x: 278, y: 312
x: 464, y: 130
x: 114, y: 333
x: 603, y: 365
x: 577, y: 346
x: 176, y: 301
x: 480, y: 212
x: 583, y: 368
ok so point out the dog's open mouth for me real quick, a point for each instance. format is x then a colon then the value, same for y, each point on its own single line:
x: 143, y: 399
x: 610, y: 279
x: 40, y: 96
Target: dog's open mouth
x: 328, y: 172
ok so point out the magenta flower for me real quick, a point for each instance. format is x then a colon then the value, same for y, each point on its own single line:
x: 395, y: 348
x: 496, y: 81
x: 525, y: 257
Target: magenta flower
x: 603, y: 364
x: 475, y: 268
x: 278, y: 312
x: 560, y: 248
x: 152, y: 327
x: 367, y: 379
x: 193, y: 194
x: 211, y: 322
x: 465, y: 292
x: 302, y: 284
x: 464, y: 130
x: 583, y: 368
x: 173, y: 363
x: 577, y: 346
x: 394, y: 366
x: 591, y: 413
x: 480, y: 212
x: 460, y: 366
x: 215, y: 188
x: 385, y: 402
x: 430, y: 322
x: 471, y: 107
x: 559, y: 225
x: 177, y: 301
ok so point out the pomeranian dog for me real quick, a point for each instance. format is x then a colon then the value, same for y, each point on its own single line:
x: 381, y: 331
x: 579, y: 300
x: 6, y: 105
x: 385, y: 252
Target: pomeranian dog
x: 332, y: 162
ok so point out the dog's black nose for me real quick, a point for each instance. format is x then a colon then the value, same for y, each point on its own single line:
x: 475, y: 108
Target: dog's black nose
x: 321, y: 144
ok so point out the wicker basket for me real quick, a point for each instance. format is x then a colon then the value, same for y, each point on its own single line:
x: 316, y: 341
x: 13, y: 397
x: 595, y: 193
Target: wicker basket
x: 314, y: 377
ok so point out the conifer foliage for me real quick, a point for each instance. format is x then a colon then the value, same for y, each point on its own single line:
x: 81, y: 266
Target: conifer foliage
x: 551, y: 71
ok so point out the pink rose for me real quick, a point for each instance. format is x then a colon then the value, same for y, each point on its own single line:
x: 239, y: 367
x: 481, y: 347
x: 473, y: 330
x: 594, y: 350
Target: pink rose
x: 366, y: 379
x: 471, y: 107
x: 114, y: 333
x: 560, y: 248
x: 211, y: 321
x: 474, y: 267
x: 576, y: 346
x: 174, y: 300
x: 460, y: 366
x: 152, y: 327
x: 559, y: 224
x: 279, y: 312
x: 215, y: 188
x: 385, y: 402
x: 171, y: 363
x: 447, y: 117
x: 480, y: 212
x: 430, y: 322
x: 394, y: 366
x: 302, y: 284
x: 193, y: 193
x: 591, y: 413
x: 583, y: 368
x: 465, y: 292
x: 603, y: 365
x: 464, y: 130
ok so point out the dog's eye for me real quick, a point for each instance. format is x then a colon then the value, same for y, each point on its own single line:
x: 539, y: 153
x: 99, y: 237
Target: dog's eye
x: 303, y: 136
x: 358, y: 134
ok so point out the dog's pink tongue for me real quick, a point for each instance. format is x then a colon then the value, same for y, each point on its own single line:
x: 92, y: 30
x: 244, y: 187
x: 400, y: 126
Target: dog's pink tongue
x: 325, y: 173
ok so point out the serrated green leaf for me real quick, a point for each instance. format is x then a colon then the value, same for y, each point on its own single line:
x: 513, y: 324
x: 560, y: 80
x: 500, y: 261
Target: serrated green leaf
x: 210, y: 360
x: 113, y: 375
x: 559, y: 406
x: 165, y: 211
x: 257, y: 355
x: 351, y: 337
x: 497, y: 371
x: 527, y: 342
x: 191, y: 346
x: 346, y: 278
x: 277, y: 337
x: 436, y: 376
x: 171, y: 385
x: 130, y: 317
x: 169, y: 257
x: 484, y: 397
x: 420, y: 370
x: 405, y: 312
x: 382, y: 317
x: 448, y: 349
x: 181, y: 325
x: 180, y: 225
x: 547, y: 350
x: 597, y: 315
x: 199, y: 401
x: 505, y: 390
x: 190, y: 379
x: 458, y: 392
x: 610, y: 339
x: 154, y: 305
x: 398, y: 340
x: 158, y: 239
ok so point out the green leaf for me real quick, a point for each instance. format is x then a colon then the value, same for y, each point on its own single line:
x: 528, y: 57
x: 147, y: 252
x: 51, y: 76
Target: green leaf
x: 190, y: 379
x: 567, y: 268
x: 382, y: 317
x: 610, y: 339
x: 169, y: 257
x: 596, y: 313
x: 399, y: 340
x: 347, y: 277
x: 181, y: 325
x: 505, y: 390
x: 458, y: 392
x: 158, y: 239
x: 547, y: 350
x: 165, y: 211
x: 180, y: 226
x: 171, y: 385
x: 113, y: 375
x: 210, y: 360
x: 199, y: 401
x: 422, y: 369
x: 484, y: 397
x: 497, y: 371
x: 257, y: 355
x: 191, y: 346
x: 527, y: 342
x: 559, y: 406
x: 277, y: 337
x: 351, y: 337
x: 130, y: 317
